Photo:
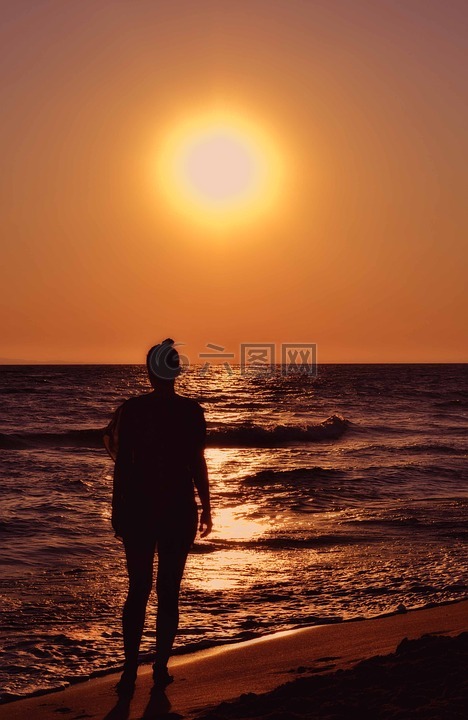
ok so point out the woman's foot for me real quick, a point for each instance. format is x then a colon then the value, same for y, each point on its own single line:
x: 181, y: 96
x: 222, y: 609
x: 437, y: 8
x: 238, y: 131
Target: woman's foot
x: 126, y: 685
x: 161, y: 676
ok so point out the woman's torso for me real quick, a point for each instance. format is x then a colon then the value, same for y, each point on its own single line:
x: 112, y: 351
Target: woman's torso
x: 164, y: 436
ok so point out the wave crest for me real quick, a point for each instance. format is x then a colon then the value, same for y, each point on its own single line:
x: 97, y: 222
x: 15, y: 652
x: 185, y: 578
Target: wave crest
x: 295, y: 476
x: 256, y: 436
x: 241, y: 436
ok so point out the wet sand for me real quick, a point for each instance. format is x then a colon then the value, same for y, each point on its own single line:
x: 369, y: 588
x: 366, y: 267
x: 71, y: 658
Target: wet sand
x: 308, y: 660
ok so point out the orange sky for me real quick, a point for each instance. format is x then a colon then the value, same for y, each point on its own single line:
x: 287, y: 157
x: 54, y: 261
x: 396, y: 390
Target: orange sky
x: 365, y: 251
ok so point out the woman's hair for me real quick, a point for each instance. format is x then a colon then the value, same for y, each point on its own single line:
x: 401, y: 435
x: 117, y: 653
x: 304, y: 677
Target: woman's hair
x: 163, y: 361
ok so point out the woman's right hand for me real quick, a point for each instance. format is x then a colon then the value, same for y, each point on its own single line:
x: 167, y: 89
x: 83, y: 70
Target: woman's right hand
x: 206, y: 523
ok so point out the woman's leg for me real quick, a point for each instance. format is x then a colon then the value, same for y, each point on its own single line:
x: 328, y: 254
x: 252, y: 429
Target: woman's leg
x: 139, y: 551
x: 173, y: 548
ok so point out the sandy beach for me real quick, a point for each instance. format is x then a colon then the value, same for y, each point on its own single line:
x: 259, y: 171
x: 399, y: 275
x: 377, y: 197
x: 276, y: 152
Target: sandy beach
x: 207, y: 678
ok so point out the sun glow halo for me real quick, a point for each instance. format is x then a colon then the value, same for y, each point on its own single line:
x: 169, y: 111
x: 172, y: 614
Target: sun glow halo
x: 218, y: 169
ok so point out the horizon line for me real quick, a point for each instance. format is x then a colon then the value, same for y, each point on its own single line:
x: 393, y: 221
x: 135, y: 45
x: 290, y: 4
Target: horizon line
x: 39, y: 363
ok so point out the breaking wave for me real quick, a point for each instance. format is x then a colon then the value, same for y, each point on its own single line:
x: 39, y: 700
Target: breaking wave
x: 240, y: 436
x: 256, y: 436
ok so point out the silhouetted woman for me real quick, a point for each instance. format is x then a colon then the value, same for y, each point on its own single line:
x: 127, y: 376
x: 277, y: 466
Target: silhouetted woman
x: 157, y: 441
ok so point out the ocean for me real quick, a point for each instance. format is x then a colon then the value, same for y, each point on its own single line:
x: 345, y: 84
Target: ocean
x: 335, y: 497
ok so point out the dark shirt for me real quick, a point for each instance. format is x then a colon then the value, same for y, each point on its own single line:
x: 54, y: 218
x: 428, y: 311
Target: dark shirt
x: 157, y: 439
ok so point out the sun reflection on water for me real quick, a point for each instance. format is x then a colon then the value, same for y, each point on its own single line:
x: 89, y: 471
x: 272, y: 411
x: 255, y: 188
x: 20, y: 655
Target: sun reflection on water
x: 232, y: 524
x: 230, y: 569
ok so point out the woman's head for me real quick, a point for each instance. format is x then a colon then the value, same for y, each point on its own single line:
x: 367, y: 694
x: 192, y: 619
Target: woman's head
x: 163, y: 362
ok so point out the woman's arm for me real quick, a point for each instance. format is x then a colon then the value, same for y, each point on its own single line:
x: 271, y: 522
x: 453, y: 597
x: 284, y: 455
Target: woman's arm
x: 200, y: 471
x: 200, y: 478
x: 122, y: 470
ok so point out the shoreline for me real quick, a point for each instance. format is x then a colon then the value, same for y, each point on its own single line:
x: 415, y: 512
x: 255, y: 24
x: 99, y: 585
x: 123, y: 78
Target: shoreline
x: 207, y: 677
x: 189, y: 650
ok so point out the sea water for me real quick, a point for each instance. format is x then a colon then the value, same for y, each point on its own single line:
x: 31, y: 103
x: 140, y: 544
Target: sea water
x: 335, y: 497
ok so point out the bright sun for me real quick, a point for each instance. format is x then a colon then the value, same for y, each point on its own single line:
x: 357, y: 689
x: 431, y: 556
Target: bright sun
x: 219, y: 168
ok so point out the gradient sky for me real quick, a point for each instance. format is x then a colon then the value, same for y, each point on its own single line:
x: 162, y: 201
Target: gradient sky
x: 365, y: 252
